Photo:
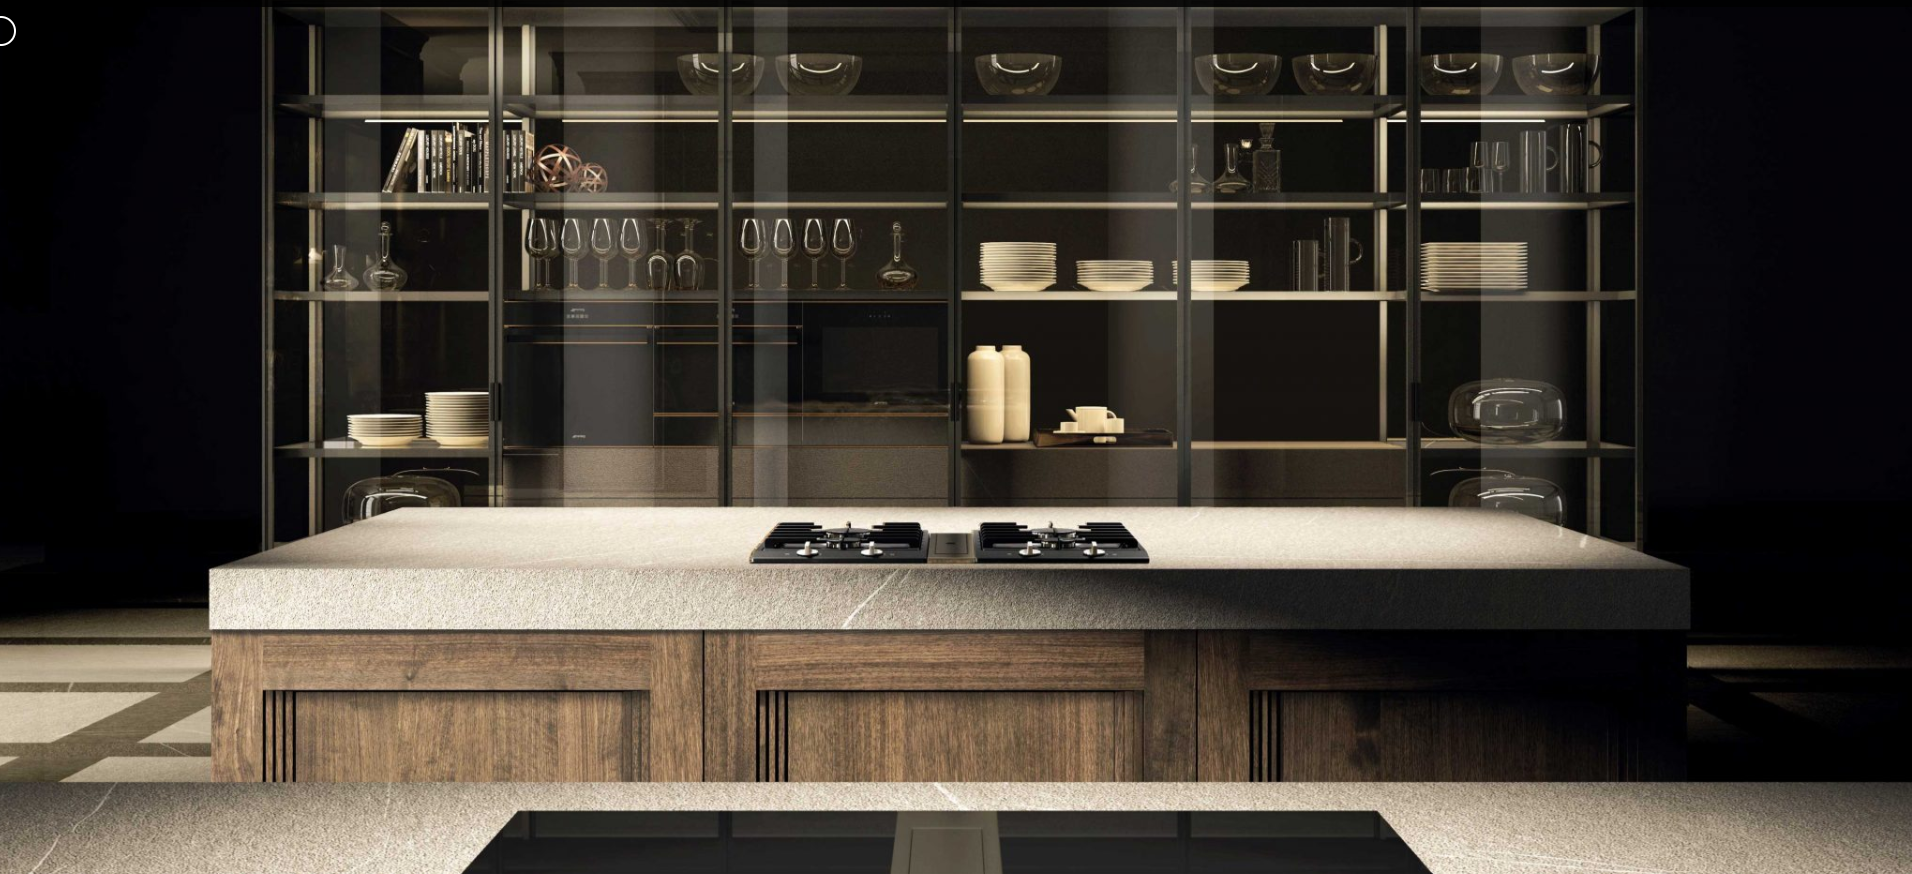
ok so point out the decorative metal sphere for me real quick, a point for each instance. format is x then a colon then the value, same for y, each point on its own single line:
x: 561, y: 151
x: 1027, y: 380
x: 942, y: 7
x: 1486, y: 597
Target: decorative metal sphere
x: 556, y: 167
x: 593, y: 178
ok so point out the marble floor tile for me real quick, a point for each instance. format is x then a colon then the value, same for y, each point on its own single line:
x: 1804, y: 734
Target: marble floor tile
x: 43, y: 717
x: 140, y: 622
x: 34, y: 663
x: 196, y: 728
x: 146, y: 769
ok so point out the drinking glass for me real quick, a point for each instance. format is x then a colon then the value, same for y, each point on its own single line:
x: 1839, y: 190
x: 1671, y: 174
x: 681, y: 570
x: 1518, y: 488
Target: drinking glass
x: 1472, y: 176
x: 541, y: 242
x: 750, y: 242
x: 783, y: 241
x: 1304, y: 265
x: 843, y: 243
x: 1500, y: 158
x: 630, y: 241
x: 814, y: 246
x: 571, y: 242
x: 1430, y: 180
x: 1454, y: 181
x: 603, y: 246
x: 1479, y: 157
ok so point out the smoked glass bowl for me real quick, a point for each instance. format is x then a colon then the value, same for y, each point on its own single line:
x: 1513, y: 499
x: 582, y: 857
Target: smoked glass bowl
x: 703, y: 74
x: 1504, y: 490
x: 383, y: 494
x: 1239, y: 74
x: 819, y: 74
x: 1460, y: 75
x: 1018, y: 74
x: 1334, y: 74
x: 1507, y: 412
x: 1560, y: 74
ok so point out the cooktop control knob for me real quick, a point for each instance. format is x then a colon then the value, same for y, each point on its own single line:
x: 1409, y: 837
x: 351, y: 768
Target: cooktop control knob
x: 870, y: 549
x: 808, y: 551
x: 1029, y: 550
x: 1094, y: 550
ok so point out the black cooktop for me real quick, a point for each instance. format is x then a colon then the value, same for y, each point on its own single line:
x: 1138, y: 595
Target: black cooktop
x: 878, y: 842
x: 1093, y: 543
x: 810, y: 543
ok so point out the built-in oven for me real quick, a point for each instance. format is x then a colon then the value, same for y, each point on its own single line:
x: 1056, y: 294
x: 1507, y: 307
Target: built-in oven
x: 841, y: 355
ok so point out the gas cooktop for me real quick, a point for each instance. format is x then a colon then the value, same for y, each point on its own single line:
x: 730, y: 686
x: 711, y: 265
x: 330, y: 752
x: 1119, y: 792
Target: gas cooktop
x: 907, y: 543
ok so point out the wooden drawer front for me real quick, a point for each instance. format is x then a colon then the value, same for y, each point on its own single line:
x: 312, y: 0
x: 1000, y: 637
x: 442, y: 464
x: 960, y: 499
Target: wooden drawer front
x: 953, y: 736
x: 463, y: 737
x: 1405, y: 736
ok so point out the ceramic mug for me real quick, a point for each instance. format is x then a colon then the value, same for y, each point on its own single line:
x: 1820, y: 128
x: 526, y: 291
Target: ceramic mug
x: 1091, y: 420
x: 1114, y: 425
x: 1068, y: 428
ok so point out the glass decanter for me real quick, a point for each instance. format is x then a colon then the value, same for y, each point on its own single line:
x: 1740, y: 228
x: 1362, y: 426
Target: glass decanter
x: 338, y: 279
x: 384, y: 274
x: 689, y: 265
x: 657, y: 265
x: 1197, y: 183
x: 897, y: 275
x: 1266, y: 162
x: 1231, y: 181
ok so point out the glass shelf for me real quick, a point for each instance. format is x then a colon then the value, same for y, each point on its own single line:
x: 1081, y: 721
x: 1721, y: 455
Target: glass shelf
x: 372, y: 200
x: 384, y: 296
x: 311, y: 450
x: 389, y: 108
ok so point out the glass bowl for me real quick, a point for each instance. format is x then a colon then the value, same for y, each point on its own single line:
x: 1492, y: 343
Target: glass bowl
x: 1336, y: 73
x: 1507, y: 411
x: 383, y: 494
x: 819, y: 74
x: 1018, y: 74
x: 1560, y: 74
x: 1460, y: 75
x: 1238, y: 74
x: 1505, y: 490
x: 703, y: 74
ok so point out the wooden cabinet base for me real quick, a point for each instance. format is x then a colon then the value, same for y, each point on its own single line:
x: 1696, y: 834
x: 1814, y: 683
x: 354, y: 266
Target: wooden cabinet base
x: 932, y: 706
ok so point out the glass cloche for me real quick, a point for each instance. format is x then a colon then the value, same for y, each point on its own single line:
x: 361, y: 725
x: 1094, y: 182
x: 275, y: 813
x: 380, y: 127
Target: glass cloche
x: 1507, y: 411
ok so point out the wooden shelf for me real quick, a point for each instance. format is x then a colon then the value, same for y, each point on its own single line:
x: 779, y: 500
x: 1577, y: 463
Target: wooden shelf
x: 384, y: 296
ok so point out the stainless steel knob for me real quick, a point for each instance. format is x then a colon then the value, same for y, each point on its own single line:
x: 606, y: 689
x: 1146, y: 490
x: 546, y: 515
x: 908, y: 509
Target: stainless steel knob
x: 1094, y: 550
x: 808, y: 551
x: 1029, y: 550
x: 870, y: 549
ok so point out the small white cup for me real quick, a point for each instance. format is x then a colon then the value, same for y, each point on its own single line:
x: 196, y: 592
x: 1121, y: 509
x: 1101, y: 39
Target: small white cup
x: 1068, y: 428
x: 1113, y: 425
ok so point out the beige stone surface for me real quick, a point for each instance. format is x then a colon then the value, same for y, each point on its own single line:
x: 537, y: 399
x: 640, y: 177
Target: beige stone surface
x: 685, y: 568
x: 1732, y: 828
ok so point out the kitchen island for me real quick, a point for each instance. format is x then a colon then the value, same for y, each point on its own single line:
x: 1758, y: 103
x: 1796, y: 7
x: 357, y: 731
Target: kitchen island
x: 1257, y: 644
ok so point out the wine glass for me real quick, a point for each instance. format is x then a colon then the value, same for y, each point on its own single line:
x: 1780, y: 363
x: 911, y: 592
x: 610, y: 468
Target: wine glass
x: 603, y: 246
x: 689, y: 265
x: 783, y: 242
x: 750, y: 242
x: 814, y: 246
x: 843, y: 243
x: 1500, y: 159
x: 1478, y: 160
x: 630, y: 241
x: 657, y: 265
x: 571, y: 243
x: 541, y: 243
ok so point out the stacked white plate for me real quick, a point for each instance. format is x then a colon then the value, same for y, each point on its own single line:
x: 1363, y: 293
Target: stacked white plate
x: 1115, y: 275
x: 1019, y: 266
x: 385, y: 429
x: 1481, y: 266
x: 1215, y: 275
x: 458, y: 418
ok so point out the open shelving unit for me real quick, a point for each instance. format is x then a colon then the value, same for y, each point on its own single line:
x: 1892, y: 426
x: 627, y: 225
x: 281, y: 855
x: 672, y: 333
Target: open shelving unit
x: 732, y: 393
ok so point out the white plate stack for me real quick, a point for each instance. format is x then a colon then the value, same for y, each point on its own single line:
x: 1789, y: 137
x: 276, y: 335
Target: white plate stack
x: 1215, y: 275
x: 1019, y: 266
x: 385, y: 429
x: 458, y: 418
x: 1115, y: 275
x: 1479, y: 266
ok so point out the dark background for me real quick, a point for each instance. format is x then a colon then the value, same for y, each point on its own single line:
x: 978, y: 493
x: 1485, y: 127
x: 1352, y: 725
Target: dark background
x: 129, y: 310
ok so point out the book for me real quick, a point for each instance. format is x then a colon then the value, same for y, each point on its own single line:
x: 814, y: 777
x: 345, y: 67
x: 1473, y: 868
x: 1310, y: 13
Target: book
x: 395, y: 179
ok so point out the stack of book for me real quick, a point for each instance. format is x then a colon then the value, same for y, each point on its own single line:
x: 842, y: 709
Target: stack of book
x: 455, y: 161
x: 519, y: 146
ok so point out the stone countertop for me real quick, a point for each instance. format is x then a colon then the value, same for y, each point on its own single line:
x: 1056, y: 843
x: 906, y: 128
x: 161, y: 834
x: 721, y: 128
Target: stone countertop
x: 1210, y: 568
x: 1455, y: 828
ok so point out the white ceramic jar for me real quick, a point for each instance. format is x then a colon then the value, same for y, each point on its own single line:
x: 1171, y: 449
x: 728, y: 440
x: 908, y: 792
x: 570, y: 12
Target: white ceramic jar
x: 1015, y: 404
x: 983, y: 408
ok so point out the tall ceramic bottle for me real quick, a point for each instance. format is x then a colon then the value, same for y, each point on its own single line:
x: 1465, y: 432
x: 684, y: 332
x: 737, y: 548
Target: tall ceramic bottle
x: 1015, y: 402
x: 983, y: 410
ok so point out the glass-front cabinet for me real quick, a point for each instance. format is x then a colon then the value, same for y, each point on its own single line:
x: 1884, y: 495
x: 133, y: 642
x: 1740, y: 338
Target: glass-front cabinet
x: 973, y: 255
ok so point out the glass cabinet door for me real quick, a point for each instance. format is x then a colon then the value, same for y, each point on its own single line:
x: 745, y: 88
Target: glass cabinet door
x: 1526, y: 263
x: 378, y: 263
x: 1295, y: 240
x: 1070, y: 166
x: 838, y: 243
x: 610, y: 312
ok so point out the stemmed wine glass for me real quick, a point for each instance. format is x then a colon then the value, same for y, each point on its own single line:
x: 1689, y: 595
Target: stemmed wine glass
x: 657, y: 265
x: 571, y: 242
x: 630, y: 241
x: 750, y: 242
x: 690, y: 265
x: 843, y: 243
x: 1501, y: 158
x: 603, y: 246
x: 540, y: 242
x: 783, y: 242
x: 1478, y: 160
x: 814, y: 246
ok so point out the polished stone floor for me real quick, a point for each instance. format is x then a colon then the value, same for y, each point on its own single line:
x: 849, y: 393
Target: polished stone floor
x: 106, y: 696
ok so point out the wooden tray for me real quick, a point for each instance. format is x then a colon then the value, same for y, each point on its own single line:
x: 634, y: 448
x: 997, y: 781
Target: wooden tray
x: 1047, y: 437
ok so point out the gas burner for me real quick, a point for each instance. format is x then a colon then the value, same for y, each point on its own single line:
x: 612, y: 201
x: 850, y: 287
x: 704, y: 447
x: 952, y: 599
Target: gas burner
x: 1098, y: 542
x: 809, y: 543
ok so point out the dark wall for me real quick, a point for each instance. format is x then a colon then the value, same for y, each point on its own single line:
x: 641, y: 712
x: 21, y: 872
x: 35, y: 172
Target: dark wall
x: 129, y: 307
x: 129, y: 312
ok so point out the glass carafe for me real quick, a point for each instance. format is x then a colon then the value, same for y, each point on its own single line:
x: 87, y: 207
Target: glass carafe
x: 1231, y: 181
x: 897, y: 275
x: 657, y: 265
x: 384, y: 274
x: 1197, y: 183
x: 689, y: 265
x: 339, y: 279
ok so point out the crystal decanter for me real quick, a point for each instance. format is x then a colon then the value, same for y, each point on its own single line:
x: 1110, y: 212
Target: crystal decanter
x: 897, y: 275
